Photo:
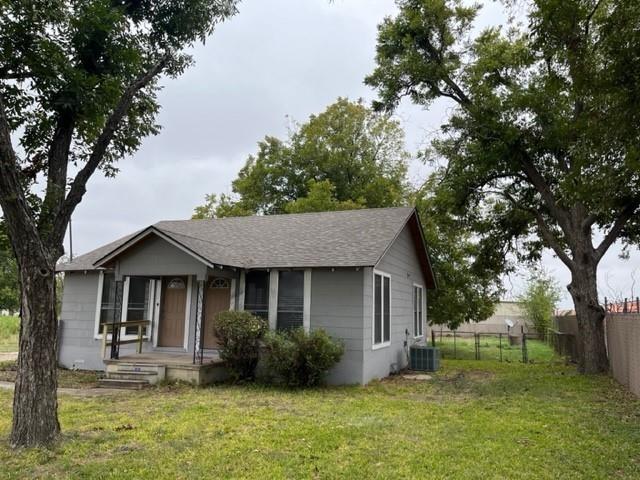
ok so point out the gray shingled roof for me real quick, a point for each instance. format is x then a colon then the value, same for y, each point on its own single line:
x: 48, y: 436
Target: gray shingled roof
x: 328, y: 239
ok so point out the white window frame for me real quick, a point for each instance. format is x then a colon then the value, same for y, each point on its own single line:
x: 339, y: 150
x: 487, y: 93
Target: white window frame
x: 97, y: 332
x: 274, y: 289
x: 383, y: 344
x: 421, y: 322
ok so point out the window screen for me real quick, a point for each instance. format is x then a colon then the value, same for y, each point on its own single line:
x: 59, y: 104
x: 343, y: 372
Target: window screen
x: 139, y: 304
x: 381, y: 309
x: 417, y: 311
x: 290, y: 299
x: 256, y: 294
x: 108, y: 300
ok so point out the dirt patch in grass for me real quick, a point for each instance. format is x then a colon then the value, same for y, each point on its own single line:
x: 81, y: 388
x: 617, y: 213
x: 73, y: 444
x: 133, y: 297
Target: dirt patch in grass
x: 66, y: 378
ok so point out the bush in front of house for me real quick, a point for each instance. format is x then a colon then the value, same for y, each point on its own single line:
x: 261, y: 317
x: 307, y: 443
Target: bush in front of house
x: 239, y: 334
x: 300, y: 359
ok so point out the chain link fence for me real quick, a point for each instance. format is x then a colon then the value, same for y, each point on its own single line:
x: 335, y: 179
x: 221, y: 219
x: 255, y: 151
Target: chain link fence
x: 503, y: 347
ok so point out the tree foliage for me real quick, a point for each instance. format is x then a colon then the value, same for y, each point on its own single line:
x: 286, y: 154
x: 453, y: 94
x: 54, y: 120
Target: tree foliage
x: 468, y: 273
x: 539, y: 300
x: 346, y: 156
x: 543, y: 133
x: 78, y: 92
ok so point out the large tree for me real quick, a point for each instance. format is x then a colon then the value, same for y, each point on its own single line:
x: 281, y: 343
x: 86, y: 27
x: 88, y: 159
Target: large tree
x: 354, y: 152
x: 468, y: 272
x: 544, y: 129
x: 78, y: 91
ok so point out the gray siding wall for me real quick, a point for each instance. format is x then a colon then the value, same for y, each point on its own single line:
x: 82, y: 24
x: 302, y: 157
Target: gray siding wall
x: 78, y: 346
x: 156, y: 256
x: 401, y: 262
x: 337, y: 307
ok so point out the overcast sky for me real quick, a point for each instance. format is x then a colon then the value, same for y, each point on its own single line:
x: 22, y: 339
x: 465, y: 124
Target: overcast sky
x: 275, y: 61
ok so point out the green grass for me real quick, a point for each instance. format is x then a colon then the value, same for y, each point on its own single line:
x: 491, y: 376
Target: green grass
x: 473, y: 420
x: 9, y: 330
x: 490, y: 349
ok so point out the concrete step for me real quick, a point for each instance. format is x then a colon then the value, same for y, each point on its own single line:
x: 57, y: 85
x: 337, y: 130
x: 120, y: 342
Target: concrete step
x: 122, y: 384
x: 149, y: 376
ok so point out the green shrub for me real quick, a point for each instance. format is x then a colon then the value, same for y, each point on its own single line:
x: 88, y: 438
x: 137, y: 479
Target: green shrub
x: 301, y: 359
x: 239, y: 333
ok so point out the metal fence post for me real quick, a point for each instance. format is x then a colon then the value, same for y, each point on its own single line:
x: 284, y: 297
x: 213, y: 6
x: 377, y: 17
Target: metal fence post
x: 454, y: 345
x: 525, y: 353
x: 500, y: 336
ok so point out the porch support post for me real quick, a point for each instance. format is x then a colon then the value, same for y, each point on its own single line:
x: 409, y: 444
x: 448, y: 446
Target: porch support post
x: 273, y: 298
x: 117, y: 318
x: 198, y: 338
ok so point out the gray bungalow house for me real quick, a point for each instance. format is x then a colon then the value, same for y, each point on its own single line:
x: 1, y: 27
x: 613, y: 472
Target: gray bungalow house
x: 144, y: 306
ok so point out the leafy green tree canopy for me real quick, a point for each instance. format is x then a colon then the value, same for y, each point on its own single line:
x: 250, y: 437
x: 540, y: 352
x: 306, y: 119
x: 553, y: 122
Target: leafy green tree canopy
x: 355, y: 154
x: 544, y: 129
x: 78, y: 91
x: 468, y: 273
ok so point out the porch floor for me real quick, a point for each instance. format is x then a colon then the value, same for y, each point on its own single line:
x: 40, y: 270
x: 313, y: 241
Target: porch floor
x: 158, y: 366
x: 166, y: 358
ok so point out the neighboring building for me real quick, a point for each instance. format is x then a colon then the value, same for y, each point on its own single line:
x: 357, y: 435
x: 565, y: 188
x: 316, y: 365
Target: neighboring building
x: 496, y: 323
x: 362, y: 275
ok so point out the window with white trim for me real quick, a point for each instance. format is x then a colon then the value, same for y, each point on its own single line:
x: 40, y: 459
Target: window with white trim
x: 139, y: 303
x: 256, y: 296
x: 418, y: 316
x: 137, y: 296
x: 290, y: 299
x: 381, y: 309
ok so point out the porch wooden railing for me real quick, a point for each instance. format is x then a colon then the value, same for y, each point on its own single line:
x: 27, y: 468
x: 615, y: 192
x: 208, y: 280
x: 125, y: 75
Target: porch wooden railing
x: 108, y: 327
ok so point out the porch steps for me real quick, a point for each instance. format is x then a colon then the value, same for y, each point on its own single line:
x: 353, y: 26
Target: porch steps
x: 123, y: 384
x: 132, y: 376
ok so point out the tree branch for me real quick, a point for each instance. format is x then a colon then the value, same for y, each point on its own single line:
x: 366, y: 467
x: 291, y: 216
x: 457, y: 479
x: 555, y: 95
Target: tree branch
x: 590, y: 17
x: 616, y: 229
x: 552, y: 242
x: 545, y: 231
x: 57, y: 165
x: 78, y: 186
x: 15, y: 208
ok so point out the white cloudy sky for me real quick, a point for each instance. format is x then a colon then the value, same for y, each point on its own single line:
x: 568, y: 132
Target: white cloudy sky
x: 276, y: 60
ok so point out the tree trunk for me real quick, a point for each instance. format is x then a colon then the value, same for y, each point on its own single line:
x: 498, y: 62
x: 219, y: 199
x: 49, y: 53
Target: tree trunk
x: 592, y: 352
x: 35, y: 405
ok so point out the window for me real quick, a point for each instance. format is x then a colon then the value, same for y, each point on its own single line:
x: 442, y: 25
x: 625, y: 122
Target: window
x: 220, y: 283
x: 176, y: 284
x: 381, y: 309
x: 256, y: 295
x: 137, y: 295
x: 108, y: 298
x: 418, y: 302
x: 138, y: 303
x: 290, y: 299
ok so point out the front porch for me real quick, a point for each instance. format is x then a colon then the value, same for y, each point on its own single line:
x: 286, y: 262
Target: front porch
x: 149, y: 368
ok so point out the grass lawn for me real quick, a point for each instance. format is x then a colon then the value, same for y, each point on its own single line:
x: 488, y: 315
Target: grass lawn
x: 491, y: 347
x: 474, y: 419
x: 9, y: 330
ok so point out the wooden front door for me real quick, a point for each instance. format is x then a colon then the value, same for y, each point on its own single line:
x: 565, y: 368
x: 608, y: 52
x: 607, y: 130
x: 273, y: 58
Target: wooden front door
x: 172, y: 312
x: 218, y: 299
